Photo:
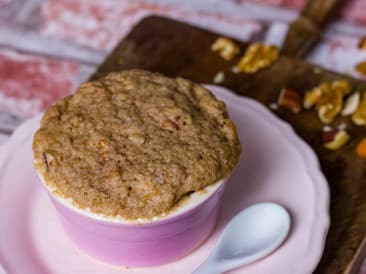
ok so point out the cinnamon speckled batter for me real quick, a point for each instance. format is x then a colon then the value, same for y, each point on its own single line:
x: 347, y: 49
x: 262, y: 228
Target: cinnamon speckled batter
x: 134, y: 143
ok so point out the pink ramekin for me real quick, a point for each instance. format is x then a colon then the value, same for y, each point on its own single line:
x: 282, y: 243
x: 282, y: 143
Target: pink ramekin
x: 142, y: 244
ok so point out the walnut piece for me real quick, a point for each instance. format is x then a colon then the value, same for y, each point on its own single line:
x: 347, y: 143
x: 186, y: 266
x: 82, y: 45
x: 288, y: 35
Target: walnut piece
x: 312, y: 96
x: 328, y: 99
x: 343, y: 86
x: 328, y: 111
x: 257, y: 56
x: 226, y: 48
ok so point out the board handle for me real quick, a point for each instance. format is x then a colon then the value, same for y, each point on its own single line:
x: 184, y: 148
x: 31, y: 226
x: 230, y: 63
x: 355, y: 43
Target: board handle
x: 305, y: 32
x: 319, y: 12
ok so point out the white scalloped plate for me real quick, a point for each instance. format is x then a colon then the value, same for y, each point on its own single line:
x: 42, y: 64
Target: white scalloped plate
x: 276, y: 166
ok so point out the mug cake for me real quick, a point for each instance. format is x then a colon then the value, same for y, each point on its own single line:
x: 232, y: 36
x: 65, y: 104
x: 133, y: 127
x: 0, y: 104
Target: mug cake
x: 134, y: 145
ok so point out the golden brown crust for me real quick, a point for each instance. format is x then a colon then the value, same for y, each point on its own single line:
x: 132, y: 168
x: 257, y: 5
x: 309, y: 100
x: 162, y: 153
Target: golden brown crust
x: 134, y: 143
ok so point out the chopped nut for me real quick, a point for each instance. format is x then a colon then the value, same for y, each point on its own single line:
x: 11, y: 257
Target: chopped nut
x: 362, y: 43
x: 101, y: 157
x: 290, y: 99
x: 328, y: 111
x: 230, y: 129
x: 361, y: 68
x: 343, y: 86
x: 335, y: 139
x: 101, y: 144
x: 359, y: 117
x: 177, y: 116
x: 330, y: 105
x: 256, y: 57
x: 361, y: 148
x: 49, y: 160
x: 137, y: 139
x: 312, y: 96
x: 169, y: 125
x: 328, y: 99
x: 219, y: 77
x: 351, y: 104
x: 226, y: 47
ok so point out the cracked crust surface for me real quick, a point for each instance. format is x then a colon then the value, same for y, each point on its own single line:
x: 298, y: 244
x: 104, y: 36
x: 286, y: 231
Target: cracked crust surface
x: 134, y: 143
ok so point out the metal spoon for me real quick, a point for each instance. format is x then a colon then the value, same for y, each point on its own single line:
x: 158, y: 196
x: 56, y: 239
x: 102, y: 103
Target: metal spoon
x: 252, y: 234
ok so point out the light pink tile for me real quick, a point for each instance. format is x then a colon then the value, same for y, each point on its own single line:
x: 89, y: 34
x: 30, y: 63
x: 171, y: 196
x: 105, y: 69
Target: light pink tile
x: 29, y: 83
x: 101, y: 24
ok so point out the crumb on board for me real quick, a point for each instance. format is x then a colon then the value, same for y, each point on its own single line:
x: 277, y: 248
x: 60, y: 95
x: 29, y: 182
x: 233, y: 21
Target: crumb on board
x: 235, y: 70
x: 273, y: 106
x: 219, y: 78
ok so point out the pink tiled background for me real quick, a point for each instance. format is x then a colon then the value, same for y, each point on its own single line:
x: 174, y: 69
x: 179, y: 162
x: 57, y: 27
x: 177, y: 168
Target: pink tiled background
x: 47, y: 47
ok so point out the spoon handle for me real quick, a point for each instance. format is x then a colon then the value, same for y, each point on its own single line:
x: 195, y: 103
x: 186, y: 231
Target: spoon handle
x: 207, y: 267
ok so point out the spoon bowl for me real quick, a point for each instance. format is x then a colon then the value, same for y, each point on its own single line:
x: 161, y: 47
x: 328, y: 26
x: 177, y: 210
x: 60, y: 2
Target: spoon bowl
x: 253, y: 233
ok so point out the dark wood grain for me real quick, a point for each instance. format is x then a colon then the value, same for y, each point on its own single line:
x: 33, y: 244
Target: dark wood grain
x: 174, y: 48
x: 305, y: 32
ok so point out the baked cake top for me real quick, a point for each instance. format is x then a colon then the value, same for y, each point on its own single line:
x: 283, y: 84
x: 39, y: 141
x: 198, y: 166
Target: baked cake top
x: 134, y: 143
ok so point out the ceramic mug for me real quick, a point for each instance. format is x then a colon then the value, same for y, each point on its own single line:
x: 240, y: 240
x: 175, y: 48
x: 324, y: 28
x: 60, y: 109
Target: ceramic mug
x: 146, y: 243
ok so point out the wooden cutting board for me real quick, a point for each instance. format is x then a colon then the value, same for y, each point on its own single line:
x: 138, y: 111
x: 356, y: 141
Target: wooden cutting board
x: 174, y: 48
